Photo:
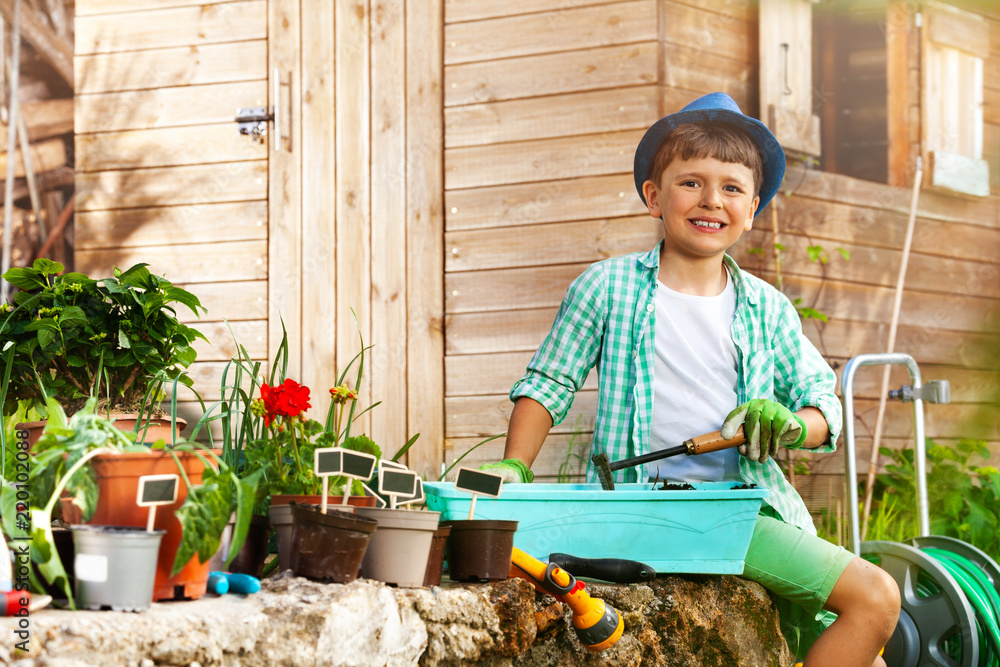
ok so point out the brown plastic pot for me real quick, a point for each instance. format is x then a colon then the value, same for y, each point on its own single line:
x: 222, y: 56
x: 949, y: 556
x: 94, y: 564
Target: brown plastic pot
x: 399, y: 550
x: 328, y: 546
x: 281, y: 517
x: 118, y: 484
x: 435, y: 561
x: 480, y: 549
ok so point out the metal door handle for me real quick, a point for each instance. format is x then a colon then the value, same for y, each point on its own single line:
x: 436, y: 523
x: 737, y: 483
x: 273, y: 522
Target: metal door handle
x: 277, y: 110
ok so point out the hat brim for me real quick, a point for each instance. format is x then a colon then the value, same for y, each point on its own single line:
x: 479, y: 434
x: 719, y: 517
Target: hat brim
x: 772, y: 154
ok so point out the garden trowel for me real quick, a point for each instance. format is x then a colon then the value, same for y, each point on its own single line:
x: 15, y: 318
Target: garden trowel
x: 700, y: 444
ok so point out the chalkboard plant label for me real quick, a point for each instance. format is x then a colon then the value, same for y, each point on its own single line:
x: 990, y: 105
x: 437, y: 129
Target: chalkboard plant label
x: 417, y: 497
x: 330, y: 461
x: 395, y: 484
x: 478, y: 483
x: 156, y: 490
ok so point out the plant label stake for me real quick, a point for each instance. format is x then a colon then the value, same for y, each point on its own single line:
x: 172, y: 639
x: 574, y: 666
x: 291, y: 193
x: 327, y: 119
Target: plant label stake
x: 156, y: 490
x: 395, y: 483
x: 379, y: 502
x: 348, y: 463
x: 417, y: 497
x: 478, y: 483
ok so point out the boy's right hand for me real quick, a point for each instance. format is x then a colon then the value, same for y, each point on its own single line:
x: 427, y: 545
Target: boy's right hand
x: 512, y: 470
x: 767, y: 425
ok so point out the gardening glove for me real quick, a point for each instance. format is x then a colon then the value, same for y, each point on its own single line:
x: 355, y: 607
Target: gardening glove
x: 766, y: 424
x: 512, y: 470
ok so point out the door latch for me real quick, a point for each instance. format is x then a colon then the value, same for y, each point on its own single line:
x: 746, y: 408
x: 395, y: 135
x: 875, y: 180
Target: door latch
x: 253, y: 121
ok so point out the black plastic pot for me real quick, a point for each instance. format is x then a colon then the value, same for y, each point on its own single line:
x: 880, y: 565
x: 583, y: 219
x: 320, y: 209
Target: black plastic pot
x: 328, y: 546
x: 480, y: 549
x: 251, y: 556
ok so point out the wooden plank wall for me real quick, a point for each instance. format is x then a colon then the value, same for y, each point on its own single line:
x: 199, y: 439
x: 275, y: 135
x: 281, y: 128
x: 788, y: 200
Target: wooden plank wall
x: 346, y: 216
x: 539, y: 138
x: 544, y: 105
x: 162, y: 176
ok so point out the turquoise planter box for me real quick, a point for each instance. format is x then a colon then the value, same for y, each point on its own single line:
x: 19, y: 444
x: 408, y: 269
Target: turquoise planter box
x: 705, y: 530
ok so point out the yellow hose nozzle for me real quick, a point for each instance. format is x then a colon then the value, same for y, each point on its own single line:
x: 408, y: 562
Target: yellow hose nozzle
x: 597, y: 624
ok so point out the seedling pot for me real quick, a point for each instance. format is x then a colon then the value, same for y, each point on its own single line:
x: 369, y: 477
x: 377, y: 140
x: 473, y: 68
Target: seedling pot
x: 480, y: 549
x: 399, y: 550
x: 115, y: 566
x: 328, y: 546
x: 251, y: 556
x: 281, y: 517
x: 435, y: 561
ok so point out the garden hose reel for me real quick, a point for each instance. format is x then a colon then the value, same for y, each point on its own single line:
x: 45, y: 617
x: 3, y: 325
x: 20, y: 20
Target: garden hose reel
x: 937, y: 624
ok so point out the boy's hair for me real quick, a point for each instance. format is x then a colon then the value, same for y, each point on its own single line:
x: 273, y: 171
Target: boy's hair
x: 715, y: 139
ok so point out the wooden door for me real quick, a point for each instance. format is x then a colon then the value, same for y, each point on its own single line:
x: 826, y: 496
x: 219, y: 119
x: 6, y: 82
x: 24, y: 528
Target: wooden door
x: 356, y: 224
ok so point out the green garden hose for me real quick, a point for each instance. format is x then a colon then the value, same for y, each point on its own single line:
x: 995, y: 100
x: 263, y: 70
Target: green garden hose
x: 981, y: 595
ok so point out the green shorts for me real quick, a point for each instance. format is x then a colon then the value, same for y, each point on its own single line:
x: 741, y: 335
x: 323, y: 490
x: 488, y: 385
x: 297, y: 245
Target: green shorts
x: 800, y: 568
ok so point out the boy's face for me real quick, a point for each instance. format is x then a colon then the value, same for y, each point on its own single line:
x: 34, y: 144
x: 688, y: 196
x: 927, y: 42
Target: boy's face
x: 705, y: 205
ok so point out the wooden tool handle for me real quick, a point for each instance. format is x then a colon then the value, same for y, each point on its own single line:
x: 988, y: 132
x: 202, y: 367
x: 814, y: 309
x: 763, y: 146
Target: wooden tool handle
x: 713, y: 442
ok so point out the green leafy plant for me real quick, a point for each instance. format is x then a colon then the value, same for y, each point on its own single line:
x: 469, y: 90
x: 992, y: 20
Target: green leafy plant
x: 963, y: 497
x: 574, y: 463
x: 115, y: 338
x: 59, y: 465
x: 265, y: 429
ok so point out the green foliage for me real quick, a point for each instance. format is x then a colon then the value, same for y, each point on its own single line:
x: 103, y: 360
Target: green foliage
x: 116, y: 338
x: 280, y: 448
x: 805, y: 312
x: 466, y: 453
x: 60, y: 465
x: 574, y: 463
x: 963, y: 497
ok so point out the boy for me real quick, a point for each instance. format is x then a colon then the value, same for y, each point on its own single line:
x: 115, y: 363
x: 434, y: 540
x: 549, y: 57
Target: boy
x: 685, y: 341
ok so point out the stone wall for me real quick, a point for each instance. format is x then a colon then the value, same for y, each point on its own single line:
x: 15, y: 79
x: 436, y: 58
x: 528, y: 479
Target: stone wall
x: 680, y: 621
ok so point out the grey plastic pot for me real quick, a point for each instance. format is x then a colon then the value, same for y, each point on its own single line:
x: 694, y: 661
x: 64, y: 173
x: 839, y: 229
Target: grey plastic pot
x: 115, y: 566
x: 399, y: 549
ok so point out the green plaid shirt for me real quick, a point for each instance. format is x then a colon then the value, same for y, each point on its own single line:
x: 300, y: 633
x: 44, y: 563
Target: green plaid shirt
x: 607, y: 319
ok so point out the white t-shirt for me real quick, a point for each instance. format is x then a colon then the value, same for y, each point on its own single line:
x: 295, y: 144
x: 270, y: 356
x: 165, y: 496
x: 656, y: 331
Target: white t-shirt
x: 694, y: 381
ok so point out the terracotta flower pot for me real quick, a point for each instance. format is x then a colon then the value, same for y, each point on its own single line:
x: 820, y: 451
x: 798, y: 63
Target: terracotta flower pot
x: 34, y: 430
x: 281, y: 517
x: 480, y: 549
x: 159, y: 428
x: 400, y: 548
x: 328, y: 546
x: 118, y: 484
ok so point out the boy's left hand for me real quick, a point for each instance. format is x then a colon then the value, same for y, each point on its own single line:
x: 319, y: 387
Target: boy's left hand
x: 766, y: 424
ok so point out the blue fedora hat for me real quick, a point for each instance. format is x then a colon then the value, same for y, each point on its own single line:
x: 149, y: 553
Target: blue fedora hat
x: 714, y: 107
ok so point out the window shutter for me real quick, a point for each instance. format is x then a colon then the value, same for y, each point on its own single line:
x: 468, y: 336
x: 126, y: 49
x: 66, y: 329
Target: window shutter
x: 956, y: 43
x: 786, y: 74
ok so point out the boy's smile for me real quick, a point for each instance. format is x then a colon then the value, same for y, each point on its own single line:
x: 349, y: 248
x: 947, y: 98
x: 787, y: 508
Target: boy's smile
x: 705, y: 205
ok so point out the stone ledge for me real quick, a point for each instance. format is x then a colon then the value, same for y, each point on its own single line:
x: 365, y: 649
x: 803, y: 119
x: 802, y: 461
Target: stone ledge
x: 680, y: 621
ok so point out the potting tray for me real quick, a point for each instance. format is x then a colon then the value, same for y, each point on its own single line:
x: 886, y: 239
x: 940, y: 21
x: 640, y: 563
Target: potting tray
x: 705, y: 530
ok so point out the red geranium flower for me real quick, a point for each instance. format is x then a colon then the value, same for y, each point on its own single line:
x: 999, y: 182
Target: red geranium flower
x: 287, y: 400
